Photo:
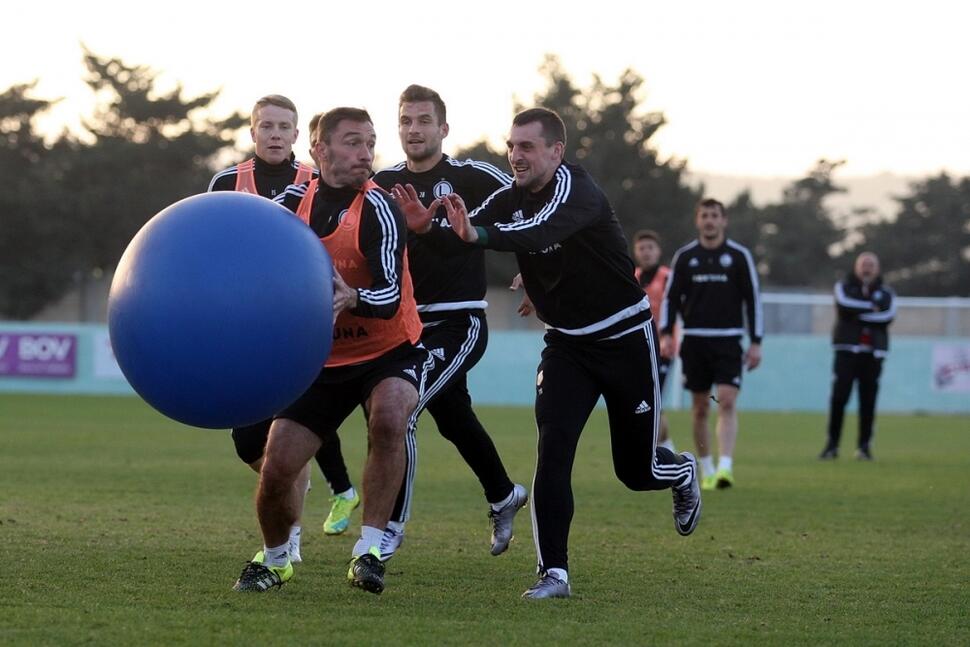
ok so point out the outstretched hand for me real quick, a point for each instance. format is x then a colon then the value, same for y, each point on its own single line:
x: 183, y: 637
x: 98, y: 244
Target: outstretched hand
x: 458, y: 217
x: 417, y: 216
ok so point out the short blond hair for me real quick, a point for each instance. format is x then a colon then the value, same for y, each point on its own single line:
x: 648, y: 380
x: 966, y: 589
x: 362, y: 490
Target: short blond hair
x: 277, y: 100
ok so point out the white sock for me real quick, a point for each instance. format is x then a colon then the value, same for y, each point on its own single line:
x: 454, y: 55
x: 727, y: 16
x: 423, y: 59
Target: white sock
x: 669, y: 444
x: 349, y: 494
x: 707, y: 465
x: 559, y: 574
x: 295, y: 533
x: 724, y: 463
x: 504, y: 502
x: 278, y: 556
x: 396, y: 526
x: 369, y: 537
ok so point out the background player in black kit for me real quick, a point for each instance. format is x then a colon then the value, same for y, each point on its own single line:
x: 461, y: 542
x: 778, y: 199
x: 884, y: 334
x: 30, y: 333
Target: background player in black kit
x: 577, y: 272
x: 713, y: 283
x: 864, y: 308
x: 449, y: 288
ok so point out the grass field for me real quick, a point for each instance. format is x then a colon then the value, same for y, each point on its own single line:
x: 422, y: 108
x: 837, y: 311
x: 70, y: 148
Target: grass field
x: 121, y: 527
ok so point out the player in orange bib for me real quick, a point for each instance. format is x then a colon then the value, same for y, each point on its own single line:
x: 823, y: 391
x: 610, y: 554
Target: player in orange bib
x: 373, y: 363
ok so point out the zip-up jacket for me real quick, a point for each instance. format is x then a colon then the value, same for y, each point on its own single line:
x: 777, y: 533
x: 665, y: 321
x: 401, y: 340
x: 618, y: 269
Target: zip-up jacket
x: 862, y: 316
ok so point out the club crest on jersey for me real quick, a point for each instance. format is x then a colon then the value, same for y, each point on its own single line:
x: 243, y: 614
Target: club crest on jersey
x: 443, y: 188
x: 725, y: 260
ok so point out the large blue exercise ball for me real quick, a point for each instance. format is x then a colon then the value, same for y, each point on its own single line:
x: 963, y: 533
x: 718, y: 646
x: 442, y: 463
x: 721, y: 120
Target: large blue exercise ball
x: 221, y: 309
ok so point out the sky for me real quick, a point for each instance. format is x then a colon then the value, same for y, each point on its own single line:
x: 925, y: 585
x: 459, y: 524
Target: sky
x: 751, y: 88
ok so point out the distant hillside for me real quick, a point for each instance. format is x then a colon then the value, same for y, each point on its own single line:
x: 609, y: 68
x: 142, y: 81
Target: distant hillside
x: 875, y: 191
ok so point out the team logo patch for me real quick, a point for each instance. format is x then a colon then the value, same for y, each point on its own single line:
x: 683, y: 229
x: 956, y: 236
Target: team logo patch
x: 693, y: 262
x: 518, y: 216
x: 443, y: 188
x: 725, y: 260
x: 643, y: 407
x: 438, y: 352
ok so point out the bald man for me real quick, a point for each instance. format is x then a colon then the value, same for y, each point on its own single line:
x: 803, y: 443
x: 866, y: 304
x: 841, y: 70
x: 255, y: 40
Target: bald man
x: 864, y: 307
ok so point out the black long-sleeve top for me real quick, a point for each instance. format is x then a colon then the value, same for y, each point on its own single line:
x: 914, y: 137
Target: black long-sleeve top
x: 447, y: 277
x: 571, y: 252
x: 713, y: 290
x: 862, y: 315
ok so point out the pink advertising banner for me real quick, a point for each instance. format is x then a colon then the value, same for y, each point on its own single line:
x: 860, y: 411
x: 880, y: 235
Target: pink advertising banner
x: 51, y: 355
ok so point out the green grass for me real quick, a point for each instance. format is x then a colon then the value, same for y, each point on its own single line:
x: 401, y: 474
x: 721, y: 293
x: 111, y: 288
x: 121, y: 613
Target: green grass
x: 121, y: 527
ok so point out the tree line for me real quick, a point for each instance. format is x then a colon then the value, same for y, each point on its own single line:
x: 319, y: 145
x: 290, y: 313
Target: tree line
x: 69, y: 206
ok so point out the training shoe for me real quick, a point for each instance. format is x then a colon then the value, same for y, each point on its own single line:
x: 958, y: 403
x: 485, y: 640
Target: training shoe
x: 339, y: 518
x: 687, y: 500
x: 502, y: 520
x: 367, y: 571
x: 725, y: 479
x: 829, y: 454
x: 548, y: 586
x: 258, y: 577
x: 863, y: 454
x: 391, y: 540
x: 709, y: 482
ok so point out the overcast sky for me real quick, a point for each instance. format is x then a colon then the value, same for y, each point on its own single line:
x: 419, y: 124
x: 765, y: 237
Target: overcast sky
x: 748, y: 87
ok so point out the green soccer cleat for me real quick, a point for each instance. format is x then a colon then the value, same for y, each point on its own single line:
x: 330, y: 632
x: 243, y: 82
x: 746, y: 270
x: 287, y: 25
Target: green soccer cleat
x: 367, y: 571
x: 256, y: 577
x: 339, y: 518
x: 725, y: 479
x: 709, y: 482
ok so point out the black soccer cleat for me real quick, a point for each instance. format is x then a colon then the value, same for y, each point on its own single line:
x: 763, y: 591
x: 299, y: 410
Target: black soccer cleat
x: 257, y: 577
x: 687, y: 500
x: 367, y: 572
x: 502, y: 520
x: 829, y: 454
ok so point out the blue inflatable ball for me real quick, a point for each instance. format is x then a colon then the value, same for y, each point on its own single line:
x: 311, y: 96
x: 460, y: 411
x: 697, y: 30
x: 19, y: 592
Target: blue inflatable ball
x: 221, y: 310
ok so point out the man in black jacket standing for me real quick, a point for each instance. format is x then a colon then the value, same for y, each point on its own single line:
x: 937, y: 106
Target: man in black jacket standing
x: 864, y: 309
x: 576, y: 270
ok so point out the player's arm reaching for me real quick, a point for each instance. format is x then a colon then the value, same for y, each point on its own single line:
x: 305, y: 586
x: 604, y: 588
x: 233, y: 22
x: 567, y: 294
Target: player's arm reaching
x: 562, y: 216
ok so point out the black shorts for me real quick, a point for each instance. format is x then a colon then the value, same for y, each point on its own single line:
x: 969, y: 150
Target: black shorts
x: 338, y: 391
x: 250, y: 441
x: 456, y: 343
x: 710, y: 360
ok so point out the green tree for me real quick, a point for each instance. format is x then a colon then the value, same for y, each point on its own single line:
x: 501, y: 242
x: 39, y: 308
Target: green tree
x: 610, y: 135
x: 925, y: 249
x: 796, y: 235
x: 36, y: 243
x: 70, y: 207
x: 150, y: 149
